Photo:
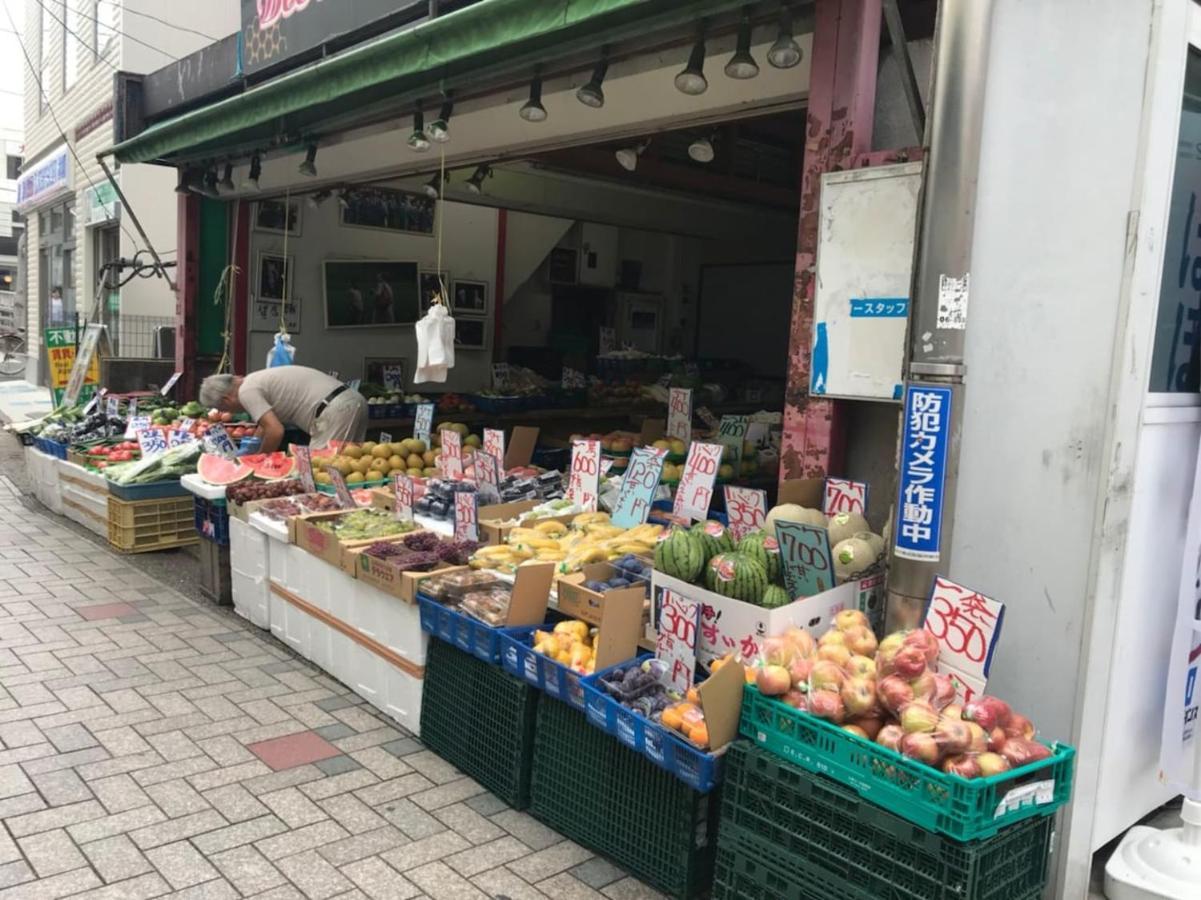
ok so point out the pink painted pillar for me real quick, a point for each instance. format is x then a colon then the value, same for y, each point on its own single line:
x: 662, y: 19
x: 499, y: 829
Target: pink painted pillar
x: 838, y: 128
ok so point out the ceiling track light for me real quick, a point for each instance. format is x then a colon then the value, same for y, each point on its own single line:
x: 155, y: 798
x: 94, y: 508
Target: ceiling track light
x: 785, y: 52
x: 742, y: 65
x: 256, y: 171
x: 593, y: 94
x: 475, y: 184
x: 309, y: 166
x: 691, y: 80
x: 433, y: 187
x: 701, y: 150
x: 439, y: 130
x: 227, y: 179
x: 187, y: 181
x: 627, y: 157
x: 418, y: 142
x: 209, y: 187
x: 533, y: 110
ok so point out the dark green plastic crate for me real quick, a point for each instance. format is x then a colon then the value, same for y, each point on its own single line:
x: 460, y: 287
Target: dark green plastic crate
x: 480, y: 720
x: 787, y: 834
x: 617, y: 803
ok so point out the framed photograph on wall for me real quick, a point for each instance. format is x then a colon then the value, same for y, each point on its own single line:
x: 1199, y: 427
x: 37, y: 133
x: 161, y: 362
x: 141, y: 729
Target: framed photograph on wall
x: 273, y: 277
x: 366, y: 293
x: 388, y: 209
x: 471, y: 334
x: 388, y: 371
x: 470, y: 298
x: 270, y: 216
x: 430, y: 286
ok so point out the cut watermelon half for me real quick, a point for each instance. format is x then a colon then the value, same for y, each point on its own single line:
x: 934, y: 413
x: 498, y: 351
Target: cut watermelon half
x: 270, y: 466
x: 221, y: 471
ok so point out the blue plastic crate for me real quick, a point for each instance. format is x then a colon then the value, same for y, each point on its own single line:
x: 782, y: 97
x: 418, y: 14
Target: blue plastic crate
x: 556, y: 680
x: 212, y: 520
x: 51, y: 448
x: 662, y: 746
x: 459, y: 629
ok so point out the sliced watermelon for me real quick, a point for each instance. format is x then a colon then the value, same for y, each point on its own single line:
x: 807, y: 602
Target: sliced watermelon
x: 270, y: 466
x: 221, y: 471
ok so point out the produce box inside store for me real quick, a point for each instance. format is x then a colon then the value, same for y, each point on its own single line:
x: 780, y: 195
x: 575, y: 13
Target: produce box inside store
x: 390, y: 578
x: 304, y: 531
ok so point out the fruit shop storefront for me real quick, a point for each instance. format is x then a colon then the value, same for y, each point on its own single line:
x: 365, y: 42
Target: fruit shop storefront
x: 615, y: 201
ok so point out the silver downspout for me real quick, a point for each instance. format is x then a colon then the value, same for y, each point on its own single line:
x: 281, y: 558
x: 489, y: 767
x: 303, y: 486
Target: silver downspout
x: 960, y: 69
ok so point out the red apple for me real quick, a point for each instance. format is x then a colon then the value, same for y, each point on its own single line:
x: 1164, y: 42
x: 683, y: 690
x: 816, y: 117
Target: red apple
x: 850, y: 618
x: 777, y: 651
x: 860, y: 641
x: 773, y: 681
x: 996, y: 739
x: 827, y: 705
x: 979, y: 742
x: 965, y: 765
x: 1019, y: 726
x: 839, y: 654
x: 990, y: 712
x: 894, y: 692
x: 826, y: 676
x: 953, y: 735
x: 909, y: 662
x: 1021, y: 752
x: 796, y: 699
x: 870, y: 724
x: 921, y: 746
x: 918, y: 716
x: 859, y: 695
x: 890, y: 736
x: 856, y: 730
x: 800, y: 670
x: 862, y: 665
x: 992, y: 764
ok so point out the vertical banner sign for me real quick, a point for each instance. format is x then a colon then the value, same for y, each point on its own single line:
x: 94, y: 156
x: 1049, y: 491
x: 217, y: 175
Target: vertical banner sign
x: 151, y: 441
x: 494, y: 445
x: 61, y: 358
x: 679, y: 629
x: 423, y: 422
x: 731, y: 432
x: 171, y: 383
x: 452, y: 453
x: 679, y: 414
x: 695, y: 491
x: 583, y: 485
x: 466, y: 516
x: 341, y: 491
x: 746, y: 510
x: 134, y: 425
x: 608, y: 341
x: 843, y: 496
x: 966, y: 625
x: 112, y: 407
x: 304, y: 464
x: 486, y: 476
x: 805, y: 557
x: 402, y: 493
x: 923, y: 471
x: 638, y: 486
x: 385, y: 437
x: 86, y: 367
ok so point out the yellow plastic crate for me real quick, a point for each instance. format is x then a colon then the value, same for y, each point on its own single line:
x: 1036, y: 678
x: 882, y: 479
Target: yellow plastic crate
x: 138, y: 526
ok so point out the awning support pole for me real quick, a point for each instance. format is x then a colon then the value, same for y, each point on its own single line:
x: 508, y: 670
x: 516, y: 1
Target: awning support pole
x: 133, y: 216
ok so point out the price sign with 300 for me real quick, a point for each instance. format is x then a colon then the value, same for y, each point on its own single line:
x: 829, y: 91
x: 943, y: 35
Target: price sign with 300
x: 494, y: 445
x: 679, y: 621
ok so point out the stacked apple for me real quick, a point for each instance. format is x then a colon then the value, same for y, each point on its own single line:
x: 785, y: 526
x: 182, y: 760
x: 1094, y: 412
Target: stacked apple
x: 892, y: 693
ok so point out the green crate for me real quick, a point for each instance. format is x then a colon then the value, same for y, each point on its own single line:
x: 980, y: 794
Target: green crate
x: 616, y: 802
x: 480, y: 720
x: 792, y: 835
x: 960, y: 808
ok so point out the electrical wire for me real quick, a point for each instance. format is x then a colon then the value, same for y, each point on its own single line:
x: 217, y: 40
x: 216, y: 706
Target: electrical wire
x: 134, y: 12
x: 96, y: 50
x: 37, y: 78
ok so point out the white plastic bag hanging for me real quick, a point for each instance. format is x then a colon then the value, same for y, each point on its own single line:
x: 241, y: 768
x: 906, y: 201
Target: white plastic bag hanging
x: 435, y: 345
x: 282, y: 353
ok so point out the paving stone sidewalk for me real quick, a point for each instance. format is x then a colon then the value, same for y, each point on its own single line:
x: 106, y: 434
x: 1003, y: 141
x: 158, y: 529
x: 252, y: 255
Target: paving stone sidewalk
x: 154, y: 745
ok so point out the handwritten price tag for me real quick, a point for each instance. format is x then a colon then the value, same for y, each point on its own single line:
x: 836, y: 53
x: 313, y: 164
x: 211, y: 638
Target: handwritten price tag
x: 843, y: 496
x: 304, y: 464
x: 217, y: 440
x: 341, y: 491
x: 583, y: 485
x: 731, y: 433
x: 573, y: 379
x: 967, y: 625
x: 500, y: 375
x: 151, y: 441
x: 695, y: 491
x: 133, y: 407
x: 385, y: 437
x: 607, y: 341
x: 112, y: 407
x: 679, y: 414
x: 179, y: 436
x: 170, y: 383
x: 394, y: 377
x: 452, y: 453
x: 746, y: 509
x: 494, y: 444
x: 136, y: 424
x: 679, y: 630
x: 486, y: 476
x: 402, y: 493
x: 466, y: 517
x: 805, y: 557
x: 638, y: 487
x: 423, y: 422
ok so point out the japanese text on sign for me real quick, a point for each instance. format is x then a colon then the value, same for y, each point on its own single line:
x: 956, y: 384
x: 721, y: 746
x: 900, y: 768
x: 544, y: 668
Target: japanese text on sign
x: 843, y: 496
x: 385, y: 437
x: 746, y: 510
x: 216, y: 440
x: 112, y: 407
x: 966, y: 625
x: 466, y: 517
x: 151, y: 441
x: 179, y: 436
x: 679, y: 414
x: 695, y: 491
x: 805, y: 558
x: 923, y: 469
x: 341, y: 491
x: 486, y: 476
x: 494, y: 444
x: 732, y: 433
x: 132, y: 407
x: 638, y: 486
x: 452, y: 453
x: 304, y: 464
x: 679, y: 631
x: 879, y: 307
x: 583, y: 485
x: 402, y: 493
x: 423, y: 422
x: 393, y: 377
x: 134, y: 425
x: 86, y: 368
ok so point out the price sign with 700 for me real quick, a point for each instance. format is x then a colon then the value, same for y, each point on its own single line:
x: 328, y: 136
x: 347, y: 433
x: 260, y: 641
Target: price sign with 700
x: 805, y: 556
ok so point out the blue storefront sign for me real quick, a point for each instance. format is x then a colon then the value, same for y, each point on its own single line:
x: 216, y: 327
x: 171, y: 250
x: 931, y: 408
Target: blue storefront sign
x: 45, y: 179
x: 923, y: 471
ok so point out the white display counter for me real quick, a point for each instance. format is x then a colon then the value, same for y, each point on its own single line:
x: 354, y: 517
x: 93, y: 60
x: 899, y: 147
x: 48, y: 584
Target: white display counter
x: 84, y: 496
x: 42, y: 471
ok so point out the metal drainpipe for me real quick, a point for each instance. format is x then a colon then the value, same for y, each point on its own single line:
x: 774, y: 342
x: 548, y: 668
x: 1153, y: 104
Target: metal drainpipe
x: 944, y: 249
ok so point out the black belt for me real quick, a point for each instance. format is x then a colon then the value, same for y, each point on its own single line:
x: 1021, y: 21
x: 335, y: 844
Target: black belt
x: 328, y: 399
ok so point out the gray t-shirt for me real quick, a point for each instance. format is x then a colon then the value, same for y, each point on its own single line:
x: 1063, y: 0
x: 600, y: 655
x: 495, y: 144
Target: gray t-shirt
x: 292, y: 392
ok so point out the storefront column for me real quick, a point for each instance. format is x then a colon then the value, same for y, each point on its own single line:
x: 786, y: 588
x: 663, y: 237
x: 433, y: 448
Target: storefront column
x: 838, y: 128
x: 187, y: 290
x: 240, y: 288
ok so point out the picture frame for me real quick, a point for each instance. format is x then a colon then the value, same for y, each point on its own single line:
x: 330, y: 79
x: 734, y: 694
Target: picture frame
x: 370, y: 293
x: 264, y: 315
x: 469, y: 297
x: 381, y: 370
x: 273, y: 274
x: 429, y: 284
x: 471, y: 334
x: 269, y: 216
x: 388, y: 209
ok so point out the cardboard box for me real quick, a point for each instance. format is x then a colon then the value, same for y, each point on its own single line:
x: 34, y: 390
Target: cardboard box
x: 303, y: 531
x: 721, y: 702
x: 616, y: 614
x: 519, y: 449
x: 391, y: 578
x: 807, y: 492
x: 491, y: 517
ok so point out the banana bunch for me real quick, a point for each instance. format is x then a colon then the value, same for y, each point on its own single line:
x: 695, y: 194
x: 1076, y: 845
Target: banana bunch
x: 591, y: 539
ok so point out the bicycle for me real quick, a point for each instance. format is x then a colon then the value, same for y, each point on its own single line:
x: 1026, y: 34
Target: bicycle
x: 12, y: 352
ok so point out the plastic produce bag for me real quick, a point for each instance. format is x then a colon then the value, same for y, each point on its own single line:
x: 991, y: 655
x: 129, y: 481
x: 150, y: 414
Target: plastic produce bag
x: 282, y: 353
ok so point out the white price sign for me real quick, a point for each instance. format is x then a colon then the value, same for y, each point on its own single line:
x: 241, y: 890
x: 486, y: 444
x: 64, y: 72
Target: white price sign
x: 967, y: 625
x: 466, y: 517
x: 112, y: 407
x: 746, y: 510
x: 484, y: 467
x: 732, y: 433
x: 341, y: 491
x: 584, y: 484
x: 402, y: 493
x: 695, y: 491
x: 679, y: 414
x: 170, y: 383
x: 385, y: 437
x: 494, y: 444
x: 423, y: 422
x: 679, y: 631
x: 844, y: 496
x: 135, y: 425
x: 304, y: 463
x: 452, y: 453
x: 151, y: 441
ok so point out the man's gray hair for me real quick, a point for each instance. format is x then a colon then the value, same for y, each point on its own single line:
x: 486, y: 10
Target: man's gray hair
x: 214, y: 388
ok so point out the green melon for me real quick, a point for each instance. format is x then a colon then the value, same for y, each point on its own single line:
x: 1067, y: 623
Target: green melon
x: 763, y: 548
x: 714, y: 538
x: 736, y: 575
x: 680, y: 555
x: 774, y: 597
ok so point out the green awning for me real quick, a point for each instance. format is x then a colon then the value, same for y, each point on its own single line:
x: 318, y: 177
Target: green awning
x: 453, y: 51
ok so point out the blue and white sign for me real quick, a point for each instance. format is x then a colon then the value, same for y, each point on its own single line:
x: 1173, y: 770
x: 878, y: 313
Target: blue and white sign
x: 923, y: 471
x: 46, y: 179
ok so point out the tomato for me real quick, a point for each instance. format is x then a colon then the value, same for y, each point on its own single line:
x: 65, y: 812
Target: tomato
x: 102, y: 464
x: 98, y: 451
x: 227, y: 417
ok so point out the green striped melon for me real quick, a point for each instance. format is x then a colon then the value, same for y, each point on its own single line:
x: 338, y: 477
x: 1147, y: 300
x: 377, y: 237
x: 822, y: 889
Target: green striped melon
x: 775, y: 596
x: 764, y: 548
x: 714, y: 538
x: 679, y: 554
x: 736, y: 575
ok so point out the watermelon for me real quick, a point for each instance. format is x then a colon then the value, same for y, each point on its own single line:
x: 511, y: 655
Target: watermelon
x: 218, y: 470
x: 775, y: 596
x: 714, y: 538
x: 764, y: 548
x: 270, y: 466
x: 736, y: 575
x: 679, y: 554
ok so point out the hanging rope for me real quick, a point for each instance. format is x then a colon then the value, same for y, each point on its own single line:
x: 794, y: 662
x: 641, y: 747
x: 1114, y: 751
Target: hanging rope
x: 440, y: 212
x: 283, y: 307
x: 222, y: 295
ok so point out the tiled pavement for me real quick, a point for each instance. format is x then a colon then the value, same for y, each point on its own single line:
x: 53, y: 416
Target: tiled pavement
x: 153, y: 745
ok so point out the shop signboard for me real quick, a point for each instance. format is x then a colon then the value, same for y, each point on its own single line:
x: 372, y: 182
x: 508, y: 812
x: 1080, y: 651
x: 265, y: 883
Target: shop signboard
x: 101, y: 203
x: 967, y: 626
x: 924, y: 447
x: 60, y: 352
x: 844, y: 496
x: 44, y: 180
x: 85, y: 368
x: 638, y: 486
x: 274, y: 30
x: 695, y: 491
